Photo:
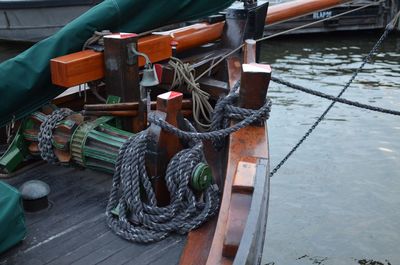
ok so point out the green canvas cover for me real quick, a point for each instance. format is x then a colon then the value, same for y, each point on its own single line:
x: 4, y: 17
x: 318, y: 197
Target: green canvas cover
x: 25, y: 82
x: 12, y: 221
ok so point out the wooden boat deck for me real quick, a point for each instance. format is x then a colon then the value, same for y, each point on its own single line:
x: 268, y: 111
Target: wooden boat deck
x: 73, y: 230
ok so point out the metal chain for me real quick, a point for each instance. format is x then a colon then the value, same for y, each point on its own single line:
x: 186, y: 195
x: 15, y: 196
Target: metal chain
x: 140, y: 219
x: 388, y: 29
x: 333, y: 98
x: 46, y: 134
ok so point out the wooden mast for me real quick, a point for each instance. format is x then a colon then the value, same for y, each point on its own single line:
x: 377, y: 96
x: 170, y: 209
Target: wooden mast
x: 293, y: 9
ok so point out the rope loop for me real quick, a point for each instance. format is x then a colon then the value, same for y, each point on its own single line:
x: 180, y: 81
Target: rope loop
x: 46, y: 134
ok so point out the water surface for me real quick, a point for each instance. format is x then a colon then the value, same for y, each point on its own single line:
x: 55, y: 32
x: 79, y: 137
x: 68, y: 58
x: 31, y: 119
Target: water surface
x: 337, y: 200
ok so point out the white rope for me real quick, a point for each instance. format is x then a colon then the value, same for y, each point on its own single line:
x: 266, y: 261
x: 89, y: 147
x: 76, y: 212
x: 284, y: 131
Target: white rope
x: 184, y: 73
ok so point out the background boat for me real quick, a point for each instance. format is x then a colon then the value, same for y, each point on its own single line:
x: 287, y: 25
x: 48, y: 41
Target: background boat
x: 374, y: 17
x: 34, y: 20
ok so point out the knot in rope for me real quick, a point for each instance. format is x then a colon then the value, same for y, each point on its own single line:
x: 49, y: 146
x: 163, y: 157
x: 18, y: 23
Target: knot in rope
x: 139, y: 219
x: 45, y: 136
x: 184, y: 73
x: 226, y: 110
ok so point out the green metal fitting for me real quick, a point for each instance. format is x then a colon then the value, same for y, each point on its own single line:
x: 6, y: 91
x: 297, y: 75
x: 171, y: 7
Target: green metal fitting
x: 15, y: 154
x: 96, y: 144
x: 201, y: 177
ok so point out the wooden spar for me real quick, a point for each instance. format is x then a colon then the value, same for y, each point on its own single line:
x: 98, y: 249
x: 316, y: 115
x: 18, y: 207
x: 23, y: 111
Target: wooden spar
x: 125, y: 113
x: 289, y: 10
x: 186, y: 104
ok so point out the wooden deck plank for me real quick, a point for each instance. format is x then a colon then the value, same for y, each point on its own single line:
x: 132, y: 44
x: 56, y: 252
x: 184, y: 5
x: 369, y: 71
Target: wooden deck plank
x: 74, y: 231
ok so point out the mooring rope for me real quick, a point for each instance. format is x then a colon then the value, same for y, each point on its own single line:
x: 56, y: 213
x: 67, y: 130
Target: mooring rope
x: 132, y: 210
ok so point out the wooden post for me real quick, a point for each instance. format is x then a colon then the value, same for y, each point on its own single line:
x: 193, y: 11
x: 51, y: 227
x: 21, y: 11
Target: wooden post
x: 244, y: 21
x: 122, y: 75
x: 249, y: 55
x: 163, y: 145
x: 254, y: 85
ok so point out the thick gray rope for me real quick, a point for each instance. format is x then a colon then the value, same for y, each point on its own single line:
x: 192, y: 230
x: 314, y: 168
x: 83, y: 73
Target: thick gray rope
x: 223, y: 110
x: 45, y: 136
x: 139, y: 218
x: 257, y: 115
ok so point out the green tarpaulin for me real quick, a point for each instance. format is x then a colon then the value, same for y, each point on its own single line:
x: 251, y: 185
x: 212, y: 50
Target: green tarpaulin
x: 25, y: 82
x: 12, y: 222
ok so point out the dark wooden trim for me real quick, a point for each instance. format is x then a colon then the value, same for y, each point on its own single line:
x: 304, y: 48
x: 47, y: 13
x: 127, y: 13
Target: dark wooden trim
x: 252, y: 243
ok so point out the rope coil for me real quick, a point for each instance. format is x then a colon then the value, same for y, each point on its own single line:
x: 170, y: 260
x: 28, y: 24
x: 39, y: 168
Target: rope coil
x: 139, y: 218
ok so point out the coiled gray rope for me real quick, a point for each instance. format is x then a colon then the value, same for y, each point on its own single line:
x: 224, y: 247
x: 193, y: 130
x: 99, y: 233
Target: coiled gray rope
x: 140, y: 219
x: 45, y: 136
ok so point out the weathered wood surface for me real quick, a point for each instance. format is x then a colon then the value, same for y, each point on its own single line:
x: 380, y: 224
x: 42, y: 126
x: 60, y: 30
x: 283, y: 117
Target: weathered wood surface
x: 74, y: 231
x: 254, y: 234
x: 122, y: 75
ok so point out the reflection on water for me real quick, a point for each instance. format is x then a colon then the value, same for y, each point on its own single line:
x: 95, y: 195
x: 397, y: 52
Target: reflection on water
x: 337, y: 200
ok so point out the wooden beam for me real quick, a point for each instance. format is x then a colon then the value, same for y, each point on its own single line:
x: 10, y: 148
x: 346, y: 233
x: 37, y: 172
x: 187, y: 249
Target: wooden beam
x: 77, y: 68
